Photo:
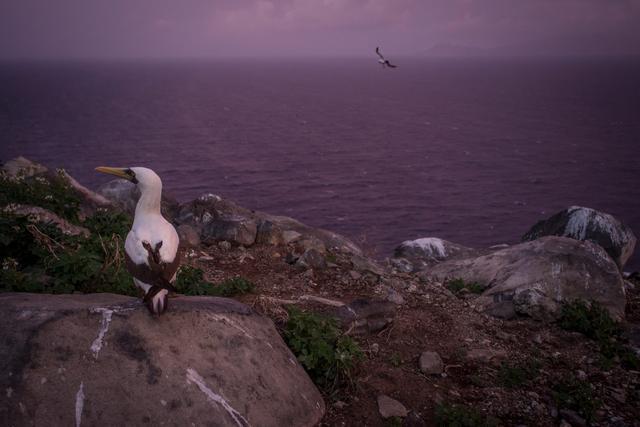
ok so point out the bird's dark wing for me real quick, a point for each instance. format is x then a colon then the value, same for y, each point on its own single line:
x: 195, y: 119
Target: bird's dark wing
x: 389, y: 64
x: 379, y: 54
x: 157, y: 272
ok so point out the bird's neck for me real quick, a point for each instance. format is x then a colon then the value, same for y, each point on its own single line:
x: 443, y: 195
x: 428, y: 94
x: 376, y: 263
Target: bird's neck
x: 149, y: 203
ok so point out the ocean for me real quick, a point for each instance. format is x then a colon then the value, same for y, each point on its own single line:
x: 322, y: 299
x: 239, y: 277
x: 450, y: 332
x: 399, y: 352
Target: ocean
x: 470, y: 150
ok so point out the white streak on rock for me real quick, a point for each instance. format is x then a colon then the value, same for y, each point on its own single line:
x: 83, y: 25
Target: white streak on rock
x: 193, y: 376
x: 79, y: 404
x: 430, y: 245
x: 227, y: 321
x: 96, y: 346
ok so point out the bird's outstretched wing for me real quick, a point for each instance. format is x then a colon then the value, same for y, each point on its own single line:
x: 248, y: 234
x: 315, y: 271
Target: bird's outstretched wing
x: 156, y: 272
x: 379, y: 54
x: 389, y: 64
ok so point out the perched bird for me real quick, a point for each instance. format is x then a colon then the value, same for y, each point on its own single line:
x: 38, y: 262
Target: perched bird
x: 151, y: 247
x: 384, y: 62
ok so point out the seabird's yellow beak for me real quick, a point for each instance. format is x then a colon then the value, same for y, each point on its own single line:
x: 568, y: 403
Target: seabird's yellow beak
x: 124, y: 173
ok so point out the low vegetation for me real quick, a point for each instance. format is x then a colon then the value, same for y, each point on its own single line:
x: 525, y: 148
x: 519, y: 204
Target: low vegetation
x: 516, y: 374
x: 52, y: 193
x: 594, y: 321
x: 324, y: 351
x: 462, y: 416
x: 191, y: 281
x: 576, y: 395
x: 458, y: 286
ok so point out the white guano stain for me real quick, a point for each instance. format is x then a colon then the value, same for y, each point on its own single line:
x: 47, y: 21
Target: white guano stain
x: 79, y: 404
x: 96, y: 346
x: 227, y: 321
x: 431, y: 246
x: 193, y: 376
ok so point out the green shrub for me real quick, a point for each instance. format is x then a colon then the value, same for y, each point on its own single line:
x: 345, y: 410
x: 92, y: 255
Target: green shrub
x: 594, y: 321
x: 576, y: 395
x: 457, y: 285
x: 232, y: 287
x: 52, y: 193
x: 107, y: 223
x: 326, y: 354
x: 190, y: 281
x: 54, y: 262
x: 462, y: 416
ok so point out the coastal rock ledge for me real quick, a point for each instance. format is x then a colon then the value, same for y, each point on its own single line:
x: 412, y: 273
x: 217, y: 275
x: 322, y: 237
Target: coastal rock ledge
x: 100, y: 359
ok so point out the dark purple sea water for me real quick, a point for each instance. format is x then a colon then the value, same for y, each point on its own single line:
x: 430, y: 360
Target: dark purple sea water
x: 473, y: 151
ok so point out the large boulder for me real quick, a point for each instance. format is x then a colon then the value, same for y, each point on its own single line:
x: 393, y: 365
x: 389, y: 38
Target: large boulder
x: 431, y: 250
x: 588, y: 224
x: 211, y: 212
x: 21, y: 166
x: 535, y: 278
x: 101, y: 359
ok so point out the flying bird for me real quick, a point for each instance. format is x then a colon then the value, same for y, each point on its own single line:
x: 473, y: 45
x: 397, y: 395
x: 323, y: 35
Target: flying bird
x: 384, y: 62
x: 151, y: 247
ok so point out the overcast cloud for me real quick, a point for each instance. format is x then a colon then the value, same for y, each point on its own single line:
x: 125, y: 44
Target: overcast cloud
x: 199, y: 28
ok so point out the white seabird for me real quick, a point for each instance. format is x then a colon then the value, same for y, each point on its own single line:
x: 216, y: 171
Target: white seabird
x: 384, y: 62
x: 151, y: 247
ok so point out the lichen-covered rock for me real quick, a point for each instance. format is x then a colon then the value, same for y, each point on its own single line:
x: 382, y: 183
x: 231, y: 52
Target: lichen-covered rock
x: 535, y: 278
x: 588, y: 224
x: 22, y: 167
x: 431, y: 250
x: 37, y: 214
x: 270, y: 229
x: 233, y: 229
x: 101, y: 359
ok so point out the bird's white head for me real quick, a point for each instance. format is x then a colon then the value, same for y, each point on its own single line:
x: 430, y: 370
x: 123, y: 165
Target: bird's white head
x: 148, y: 182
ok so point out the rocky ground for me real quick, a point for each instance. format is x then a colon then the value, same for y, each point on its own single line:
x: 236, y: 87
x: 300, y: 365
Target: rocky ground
x: 433, y: 355
x: 473, y: 346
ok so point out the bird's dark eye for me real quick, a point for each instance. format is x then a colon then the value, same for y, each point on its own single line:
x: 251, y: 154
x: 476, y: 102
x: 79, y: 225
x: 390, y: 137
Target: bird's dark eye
x: 132, y: 176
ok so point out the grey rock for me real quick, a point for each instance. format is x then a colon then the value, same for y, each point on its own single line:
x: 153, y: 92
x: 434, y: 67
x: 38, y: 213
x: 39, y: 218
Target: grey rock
x: 189, y: 237
x: 395, y: 297
x: 237, y: 229
x: 224, y: 246
x: 573, y: 418
x: 122, y: 193
x: 363, y: 316
x: 535, y: 278
x: 354, y: 275
x: 588, y: 224
x: 40, y: 215
x: 101, y: 359
x: 366, y: 265
x: 269, y: 234
x: 313, y: 259
x: 389, y: 407
x: 430, y: 363
x: 270, y: 229
x: 402, y: 265
x: 431, y: 250
x: 21, y: 166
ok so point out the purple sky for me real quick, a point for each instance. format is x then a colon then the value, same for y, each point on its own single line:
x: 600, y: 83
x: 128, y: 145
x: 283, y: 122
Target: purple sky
x: 210, y: 28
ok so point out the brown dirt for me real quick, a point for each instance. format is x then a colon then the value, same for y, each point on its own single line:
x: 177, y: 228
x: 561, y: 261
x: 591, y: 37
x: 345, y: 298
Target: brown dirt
x: 434, y: 319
